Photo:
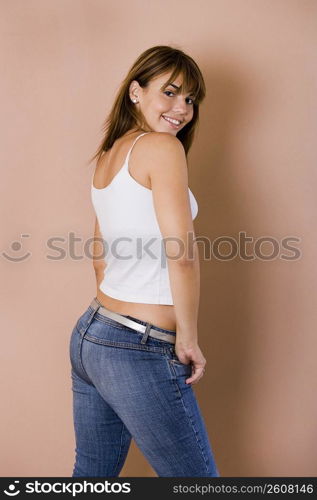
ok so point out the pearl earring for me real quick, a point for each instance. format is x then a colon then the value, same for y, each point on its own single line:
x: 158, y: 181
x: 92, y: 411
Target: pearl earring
x: 134, y: 100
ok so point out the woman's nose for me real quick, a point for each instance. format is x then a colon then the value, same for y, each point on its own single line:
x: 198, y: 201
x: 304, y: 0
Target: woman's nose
x: 180, y: 105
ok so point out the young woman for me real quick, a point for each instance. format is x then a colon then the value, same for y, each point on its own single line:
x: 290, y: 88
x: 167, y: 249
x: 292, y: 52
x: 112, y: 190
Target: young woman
x: 134, y: 352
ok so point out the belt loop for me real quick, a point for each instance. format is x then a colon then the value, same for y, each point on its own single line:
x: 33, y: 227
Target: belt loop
x: 95, y: 305
x: 146, y: 333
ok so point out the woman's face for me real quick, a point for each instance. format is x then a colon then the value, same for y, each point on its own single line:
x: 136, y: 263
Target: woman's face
x: 159, y: 106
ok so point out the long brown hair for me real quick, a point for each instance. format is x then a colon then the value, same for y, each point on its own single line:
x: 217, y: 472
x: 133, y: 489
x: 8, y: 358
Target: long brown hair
x: 150, y: 64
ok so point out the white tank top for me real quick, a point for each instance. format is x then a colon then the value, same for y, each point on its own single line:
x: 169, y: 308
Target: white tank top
x: 136, y: 265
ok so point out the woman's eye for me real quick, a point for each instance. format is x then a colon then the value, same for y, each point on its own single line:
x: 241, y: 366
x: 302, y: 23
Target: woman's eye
x: 170, y: 92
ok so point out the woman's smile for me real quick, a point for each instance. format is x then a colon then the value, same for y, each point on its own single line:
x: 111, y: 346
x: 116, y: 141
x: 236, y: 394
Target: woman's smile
x: 172, y: 122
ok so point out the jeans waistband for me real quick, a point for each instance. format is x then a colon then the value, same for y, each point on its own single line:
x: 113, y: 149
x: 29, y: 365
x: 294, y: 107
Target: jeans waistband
x: 145, y: 329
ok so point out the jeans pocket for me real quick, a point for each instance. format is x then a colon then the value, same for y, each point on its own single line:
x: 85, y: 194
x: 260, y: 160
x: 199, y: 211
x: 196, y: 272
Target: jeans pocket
x: 179, y: 368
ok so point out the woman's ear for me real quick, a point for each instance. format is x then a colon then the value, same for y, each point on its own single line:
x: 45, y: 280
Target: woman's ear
x: 134, y: 89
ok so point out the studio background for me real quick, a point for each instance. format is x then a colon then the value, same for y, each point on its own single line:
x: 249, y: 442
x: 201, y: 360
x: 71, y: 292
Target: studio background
x: 252, y: 169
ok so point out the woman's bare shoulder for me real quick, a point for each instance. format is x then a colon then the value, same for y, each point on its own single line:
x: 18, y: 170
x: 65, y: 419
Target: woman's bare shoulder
x: 160, y: 154
x: 159, y: 139
x: 159, y: 147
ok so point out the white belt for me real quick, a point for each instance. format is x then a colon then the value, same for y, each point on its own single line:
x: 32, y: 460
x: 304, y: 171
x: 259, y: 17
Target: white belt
x: 151, y: 332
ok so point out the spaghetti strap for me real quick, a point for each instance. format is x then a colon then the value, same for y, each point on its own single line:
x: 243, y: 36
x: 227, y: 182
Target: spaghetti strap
x: 129, y: 152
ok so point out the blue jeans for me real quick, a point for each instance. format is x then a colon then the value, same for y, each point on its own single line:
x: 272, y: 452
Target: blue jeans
x: 123, y: 389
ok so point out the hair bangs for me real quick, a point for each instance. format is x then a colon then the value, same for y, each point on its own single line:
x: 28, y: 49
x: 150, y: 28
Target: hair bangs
x: 191, y: 83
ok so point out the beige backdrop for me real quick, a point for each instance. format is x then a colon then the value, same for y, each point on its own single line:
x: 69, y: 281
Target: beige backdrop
x: 252, y: 169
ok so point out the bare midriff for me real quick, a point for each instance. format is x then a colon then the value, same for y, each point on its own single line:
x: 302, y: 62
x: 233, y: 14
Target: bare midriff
x: 159, y: 315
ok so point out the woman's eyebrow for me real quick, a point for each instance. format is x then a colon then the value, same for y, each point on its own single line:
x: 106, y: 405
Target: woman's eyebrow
x: 175, y: 86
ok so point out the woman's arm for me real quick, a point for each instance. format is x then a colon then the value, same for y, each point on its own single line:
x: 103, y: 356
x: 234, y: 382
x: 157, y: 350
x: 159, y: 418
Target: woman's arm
x: 165, y: 159
x: 185, y: 287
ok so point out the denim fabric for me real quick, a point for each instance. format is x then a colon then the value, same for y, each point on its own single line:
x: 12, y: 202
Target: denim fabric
x: 125, y: 389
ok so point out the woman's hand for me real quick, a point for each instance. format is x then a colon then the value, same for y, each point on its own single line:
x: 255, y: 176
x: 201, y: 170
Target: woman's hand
x: 189, y: 352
